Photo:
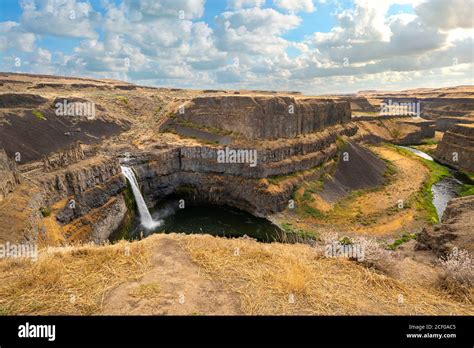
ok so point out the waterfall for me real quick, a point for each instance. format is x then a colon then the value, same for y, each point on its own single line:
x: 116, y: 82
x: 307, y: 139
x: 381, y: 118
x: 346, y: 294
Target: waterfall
x: 145, y: 217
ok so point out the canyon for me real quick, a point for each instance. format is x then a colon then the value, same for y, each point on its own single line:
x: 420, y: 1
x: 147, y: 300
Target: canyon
x: 322, y: 164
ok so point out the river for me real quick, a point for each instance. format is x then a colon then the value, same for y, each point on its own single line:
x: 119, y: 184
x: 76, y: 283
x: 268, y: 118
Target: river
x: 445, y: 189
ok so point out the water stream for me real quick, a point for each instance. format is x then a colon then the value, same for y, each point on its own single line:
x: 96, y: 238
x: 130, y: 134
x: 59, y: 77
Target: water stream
x: 444, y: 190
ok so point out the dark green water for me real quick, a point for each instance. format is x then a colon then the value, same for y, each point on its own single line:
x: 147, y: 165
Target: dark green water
x: 216, y: 220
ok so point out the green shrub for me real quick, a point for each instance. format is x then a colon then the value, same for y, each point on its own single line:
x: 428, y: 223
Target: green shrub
x: 406, y: 237
x: 122, y: 99
x: 39, y: 115
x: 45, y: 211
x: 345, y: 241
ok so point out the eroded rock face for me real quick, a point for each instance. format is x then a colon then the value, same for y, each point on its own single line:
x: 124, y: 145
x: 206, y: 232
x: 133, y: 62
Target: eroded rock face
x: 265, y: 117
x: 9, y: 175
x: 361, y: 170
x: 394, y: 129
x: 444, y: 124
x: 72, y: 154
x: 20, y: 100
x: 196, y: 172
x: 457, y: 147
x: 76, y: 179
x: 92, y: 191
x: 456, y: 229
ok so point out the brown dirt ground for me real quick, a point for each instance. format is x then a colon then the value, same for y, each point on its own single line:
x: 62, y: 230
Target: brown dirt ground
x: 181, y: 288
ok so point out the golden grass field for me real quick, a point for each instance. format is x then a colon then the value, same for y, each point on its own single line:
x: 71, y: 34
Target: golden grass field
x: 215, y: 275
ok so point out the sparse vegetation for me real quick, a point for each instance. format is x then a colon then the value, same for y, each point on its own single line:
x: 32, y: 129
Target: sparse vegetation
x: 39, y: 115
x: 146, y: 290
x: 458, y: 274
x: 429, y: 141
x: 122, y: 99
x: 302, y: 235
x: 396, y: 133
x: 406, y: 237
x: 307, y: 210
x: 467, y: 189
x: 45, y: 211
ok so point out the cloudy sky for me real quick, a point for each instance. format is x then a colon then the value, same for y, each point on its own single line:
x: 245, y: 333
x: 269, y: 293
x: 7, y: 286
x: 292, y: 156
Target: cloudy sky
x: 314, y: 46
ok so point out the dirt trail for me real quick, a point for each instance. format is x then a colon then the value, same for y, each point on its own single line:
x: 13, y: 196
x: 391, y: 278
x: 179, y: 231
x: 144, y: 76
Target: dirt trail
x: 174, y: 286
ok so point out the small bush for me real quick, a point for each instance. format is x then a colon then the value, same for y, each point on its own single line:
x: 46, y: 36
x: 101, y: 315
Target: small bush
x: 39, y: 115
x: 374, y: 254
x: 45, y: 211
x: 122, y: 99
x: 458, y: 273
x: 345, y: 241
x: 406, y: 237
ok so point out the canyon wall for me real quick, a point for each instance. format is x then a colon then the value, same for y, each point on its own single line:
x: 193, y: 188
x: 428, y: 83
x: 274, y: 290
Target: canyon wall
x: 265, y: 117
x: 195, y: 172
x: 457, y: 147
x: 9, y: 175
x: 455, y: 229
x: 86, y: 198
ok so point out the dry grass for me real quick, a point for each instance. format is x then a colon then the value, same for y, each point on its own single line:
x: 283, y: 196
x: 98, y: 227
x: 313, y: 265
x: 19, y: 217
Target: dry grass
x: 458, y: 275
x: 265, y: 279
x: 146, y: 290
x: 68, y: 280
x: 293, y: 279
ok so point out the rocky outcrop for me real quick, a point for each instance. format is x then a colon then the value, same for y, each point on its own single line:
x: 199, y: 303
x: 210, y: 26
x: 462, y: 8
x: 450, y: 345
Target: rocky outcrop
x: 359, y: 104
x: 9, y: 175
x: 96, y: 197
x: 275, y: 158
x: 394, y: 129
x: 111, y: 219
x: 21, y: 100
x: 444, y: 124
x: 357, y: 169
x: 98, y: 224
x: 256, y: 196
x: 426, y: 131
x: 72, y: 154
x: 455, y: 230
x: 79, y: 178
x: 457, y: 147
x: 265, y: 117
x: 92, y: 194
